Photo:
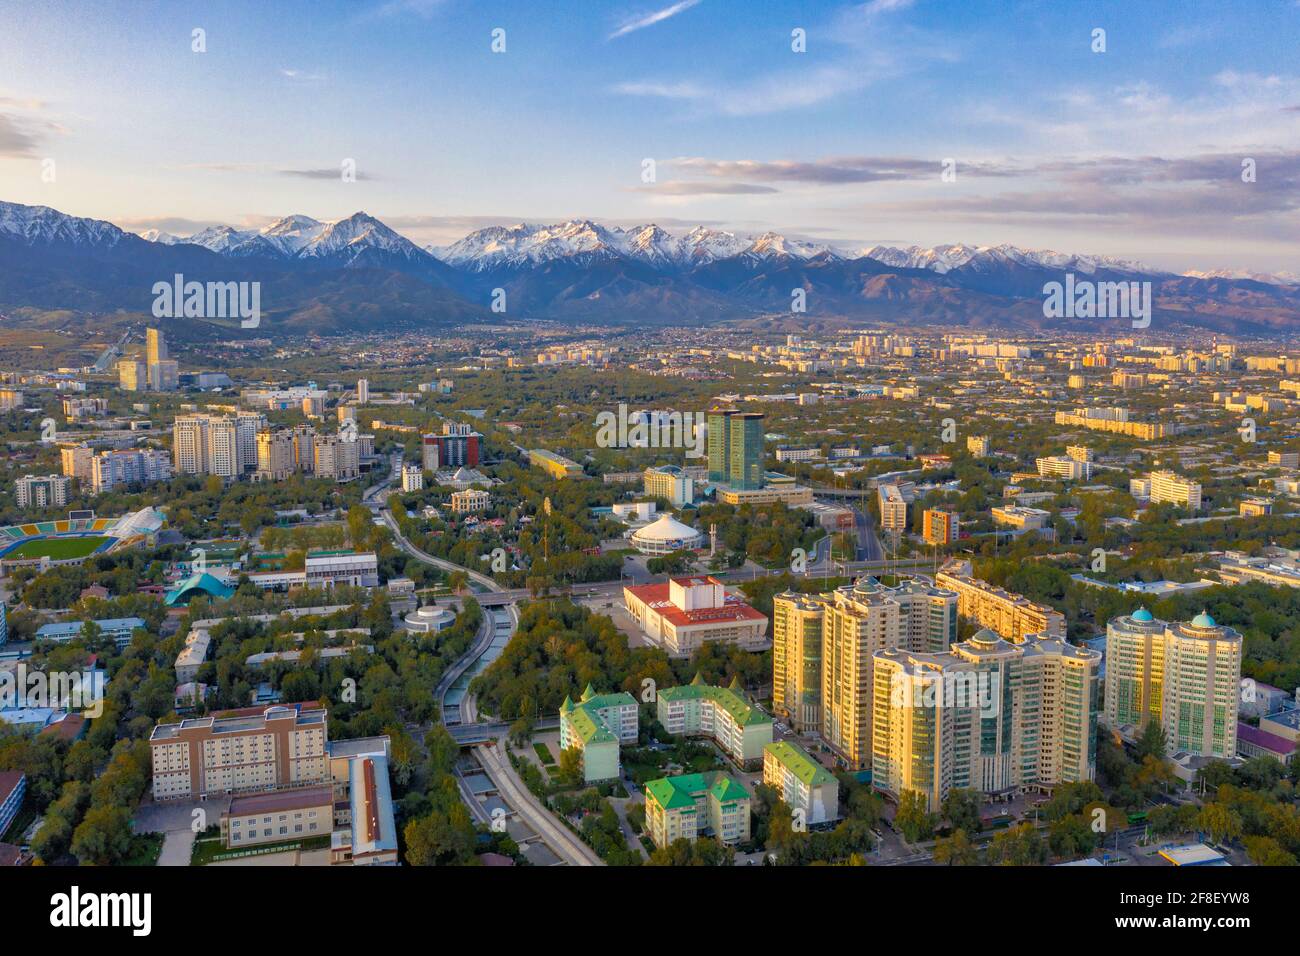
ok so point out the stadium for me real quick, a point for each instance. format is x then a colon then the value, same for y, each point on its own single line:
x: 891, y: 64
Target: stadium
x: 72, y: 540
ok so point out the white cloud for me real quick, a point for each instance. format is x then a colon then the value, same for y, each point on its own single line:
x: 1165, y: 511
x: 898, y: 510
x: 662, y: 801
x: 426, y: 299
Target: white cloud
x: 650, y: 19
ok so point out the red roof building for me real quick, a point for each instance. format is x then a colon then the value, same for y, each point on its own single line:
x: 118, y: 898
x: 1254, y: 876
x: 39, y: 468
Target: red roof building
x: 684, y: 613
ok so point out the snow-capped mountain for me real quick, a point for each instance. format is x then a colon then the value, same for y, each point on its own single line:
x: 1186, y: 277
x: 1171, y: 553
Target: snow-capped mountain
x: 1270, y: 278
x: 945, y: 258
x: 41, y: 225
x: 357, y: 273
x: 525, y: 244
x: 345, y: 241
x: 160, y: 237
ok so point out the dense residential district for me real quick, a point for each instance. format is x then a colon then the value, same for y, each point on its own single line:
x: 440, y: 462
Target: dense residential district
x: 569, y: 597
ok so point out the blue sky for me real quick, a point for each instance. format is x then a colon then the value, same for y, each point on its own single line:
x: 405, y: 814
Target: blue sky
x: 1134, y: 152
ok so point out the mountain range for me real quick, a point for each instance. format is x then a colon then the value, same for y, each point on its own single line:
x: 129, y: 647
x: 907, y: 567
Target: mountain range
x: 357, y: 274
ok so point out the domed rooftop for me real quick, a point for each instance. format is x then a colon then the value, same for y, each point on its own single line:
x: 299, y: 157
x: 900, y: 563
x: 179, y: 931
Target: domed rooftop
x: 985, y: 636
x: 1203, y: 620
x: 1143, y: 615
x: 666, y: 528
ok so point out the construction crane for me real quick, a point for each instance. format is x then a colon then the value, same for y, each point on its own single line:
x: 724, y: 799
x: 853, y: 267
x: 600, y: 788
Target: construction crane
x: 105, y: 361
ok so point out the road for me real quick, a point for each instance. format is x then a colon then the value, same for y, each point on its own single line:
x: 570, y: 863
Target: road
x: 510, y: 786
x: 566, y: 844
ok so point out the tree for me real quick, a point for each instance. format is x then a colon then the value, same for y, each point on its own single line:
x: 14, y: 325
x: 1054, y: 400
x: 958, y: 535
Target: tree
x: 569, y: 769
x: 955, y: 850
x: 961, y: 808
x: 104, y: 836
x: 1152, y: 742
x: 1220, y: 822
x: 1266, y: 851
x: 912, y: 818
x: 441, y: 839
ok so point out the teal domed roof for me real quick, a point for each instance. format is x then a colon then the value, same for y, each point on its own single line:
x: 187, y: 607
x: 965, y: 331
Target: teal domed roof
x: 1143, y: 615
x: 1203, y: 620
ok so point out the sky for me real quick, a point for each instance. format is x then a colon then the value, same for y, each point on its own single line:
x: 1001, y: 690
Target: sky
x: 679, y: 112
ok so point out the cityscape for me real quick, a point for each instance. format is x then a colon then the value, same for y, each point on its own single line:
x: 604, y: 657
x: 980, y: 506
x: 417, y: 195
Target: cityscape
x: 718, y: 512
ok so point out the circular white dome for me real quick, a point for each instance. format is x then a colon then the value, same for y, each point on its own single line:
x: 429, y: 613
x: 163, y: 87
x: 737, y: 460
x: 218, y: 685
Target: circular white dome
x: 665, y: 535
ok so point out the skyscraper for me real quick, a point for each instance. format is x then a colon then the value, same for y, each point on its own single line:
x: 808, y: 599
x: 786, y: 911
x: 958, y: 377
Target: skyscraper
x: 797, y: 621
x: 987, y: 715
x: 1186, y: 676
x: 825, y: 673
x: 719, y: 437
x: 745, y: 451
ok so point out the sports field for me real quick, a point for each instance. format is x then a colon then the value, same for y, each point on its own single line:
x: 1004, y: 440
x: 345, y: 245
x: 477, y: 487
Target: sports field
x: 57, y: 549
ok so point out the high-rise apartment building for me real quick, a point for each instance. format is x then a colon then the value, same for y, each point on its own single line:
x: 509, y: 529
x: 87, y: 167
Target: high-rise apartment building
x: 336, y: 458
x: 1166, y: 486
x: 222, y: 445
x: 111, y: 469
x: 276, y: 458
x: 363, y: 391
x: 987, y: 715
x: 856, y: 621
x: 132, y: 375
x: 1186, y: 676
x: 940, y: 526
x: 1064, y: 466
x: 78, y: 460
x: 797, y: 622
x: 42, y: 491
x: 1011, y: 615
x: 893, y: 508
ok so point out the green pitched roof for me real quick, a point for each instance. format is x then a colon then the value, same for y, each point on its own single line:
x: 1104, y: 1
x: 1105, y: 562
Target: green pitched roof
x: 679, y: 793
x: 588, y: 727
x: 588, y: 692
x: 601, y: 701
x: 797, y: 760
x: 742, y: 711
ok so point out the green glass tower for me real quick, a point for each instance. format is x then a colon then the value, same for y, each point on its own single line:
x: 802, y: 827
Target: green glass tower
x: 745, y: 452
x: 720, y: 444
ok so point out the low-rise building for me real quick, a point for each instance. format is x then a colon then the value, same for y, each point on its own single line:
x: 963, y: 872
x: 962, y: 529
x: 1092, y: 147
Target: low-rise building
x: 739, y: 728
x: 808, y: 789
x: 693, y: 805
x: 684, y: 613
x: 598, y: 724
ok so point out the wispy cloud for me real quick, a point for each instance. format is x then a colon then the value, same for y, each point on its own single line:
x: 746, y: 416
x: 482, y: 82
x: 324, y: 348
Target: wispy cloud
x: 322, y: 172
x: 650, y: 19
x: 838, y: 170
x: 680, y: 187
x: 301, y: 76
x: 16, y: 139
x: 859, y: 52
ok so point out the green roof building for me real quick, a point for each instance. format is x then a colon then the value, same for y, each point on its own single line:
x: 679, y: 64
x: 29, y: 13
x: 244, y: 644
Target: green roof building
x: 693, y: 805
x: 598, y: 725
x: 722, y: 714
x: 810, y: 790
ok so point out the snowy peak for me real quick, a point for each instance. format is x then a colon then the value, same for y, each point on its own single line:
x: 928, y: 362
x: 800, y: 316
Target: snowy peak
x: 581, y: 239
x: 160, y: 237
x: 945, y: 258
x: 1270, y: 278
x: 771, y: 244
x: 351, y: 236
x: 45, y: 226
